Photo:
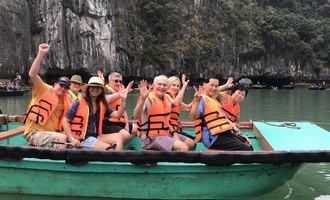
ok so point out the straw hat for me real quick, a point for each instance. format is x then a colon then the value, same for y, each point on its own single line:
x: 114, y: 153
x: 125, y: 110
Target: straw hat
x: 76, y: 79
x: 96, y: 81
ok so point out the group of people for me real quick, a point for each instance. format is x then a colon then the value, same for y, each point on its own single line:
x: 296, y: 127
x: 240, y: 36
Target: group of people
x: 93, y: 115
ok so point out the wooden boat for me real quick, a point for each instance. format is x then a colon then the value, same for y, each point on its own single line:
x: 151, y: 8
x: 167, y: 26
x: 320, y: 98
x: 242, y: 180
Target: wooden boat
x: 290, y: 86
x: 280, y: 151
x: 317, y: 87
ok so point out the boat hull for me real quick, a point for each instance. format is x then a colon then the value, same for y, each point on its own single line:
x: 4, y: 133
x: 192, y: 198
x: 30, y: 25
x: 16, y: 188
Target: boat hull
x: 125, y: 180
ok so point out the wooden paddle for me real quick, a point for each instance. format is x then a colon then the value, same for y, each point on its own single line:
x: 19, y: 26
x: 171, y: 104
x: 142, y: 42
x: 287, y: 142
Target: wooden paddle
x: 11, y: 133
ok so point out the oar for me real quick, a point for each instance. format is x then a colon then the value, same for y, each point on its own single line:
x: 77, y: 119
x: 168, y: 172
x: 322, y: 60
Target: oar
x: 111, y: 146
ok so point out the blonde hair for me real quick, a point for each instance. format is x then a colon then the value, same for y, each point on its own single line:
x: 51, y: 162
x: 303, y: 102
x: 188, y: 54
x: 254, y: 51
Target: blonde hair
x: 172, y: 79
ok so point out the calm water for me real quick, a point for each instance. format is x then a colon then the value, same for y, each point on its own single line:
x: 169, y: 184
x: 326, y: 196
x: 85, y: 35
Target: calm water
x: 312, y: 182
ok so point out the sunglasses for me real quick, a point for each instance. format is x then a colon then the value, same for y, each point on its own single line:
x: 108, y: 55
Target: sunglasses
x: 64, y: 86
x: 117, y: 81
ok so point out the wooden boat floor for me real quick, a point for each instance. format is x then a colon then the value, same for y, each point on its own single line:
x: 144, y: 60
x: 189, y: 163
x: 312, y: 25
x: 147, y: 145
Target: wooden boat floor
x: 304, y: 136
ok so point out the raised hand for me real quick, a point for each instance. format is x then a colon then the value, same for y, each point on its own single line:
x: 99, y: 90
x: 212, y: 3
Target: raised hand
x: 100, y: 75
x: 184, y: 81
x: 129, y: 86
x: 44, y: 48
x: 143, y: 88
x: 198, y: 92
x: 230, y: 81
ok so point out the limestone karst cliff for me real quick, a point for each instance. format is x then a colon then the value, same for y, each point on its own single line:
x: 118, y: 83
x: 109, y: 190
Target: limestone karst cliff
x: 145, y: 38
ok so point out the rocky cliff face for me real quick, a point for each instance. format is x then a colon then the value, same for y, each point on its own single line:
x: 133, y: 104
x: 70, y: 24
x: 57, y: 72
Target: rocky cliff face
x: 111, y: 35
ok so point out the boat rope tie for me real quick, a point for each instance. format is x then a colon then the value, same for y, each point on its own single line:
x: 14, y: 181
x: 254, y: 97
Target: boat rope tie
x: 285, y: 124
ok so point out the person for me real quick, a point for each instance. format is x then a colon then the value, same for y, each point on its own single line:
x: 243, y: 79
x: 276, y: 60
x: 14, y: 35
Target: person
x: 75, y: 87
x: 122, y: 125
x: 213, y: 128
x: 230, y: 104
x: 47, y: 107
x: 83, y: 123
x: 177, y: 106
x: 153, y: 110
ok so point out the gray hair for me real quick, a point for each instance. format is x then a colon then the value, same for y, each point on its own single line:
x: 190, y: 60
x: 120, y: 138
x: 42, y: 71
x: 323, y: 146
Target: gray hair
x: 114, y: 74
x: 157, y: 78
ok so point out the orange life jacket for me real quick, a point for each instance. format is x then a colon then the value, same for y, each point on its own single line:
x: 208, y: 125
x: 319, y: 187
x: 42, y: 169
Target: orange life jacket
x: 232, y: 111
x: 158, y: 122
x: 114, y: 106
x: 79, y: 122
x: 198, y: 129
x: 44, y: 107
x: 213, y: 118
x: 174, y: 117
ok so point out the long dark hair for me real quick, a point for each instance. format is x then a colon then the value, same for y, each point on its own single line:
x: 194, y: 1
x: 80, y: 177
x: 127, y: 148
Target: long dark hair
x: 100, y: 98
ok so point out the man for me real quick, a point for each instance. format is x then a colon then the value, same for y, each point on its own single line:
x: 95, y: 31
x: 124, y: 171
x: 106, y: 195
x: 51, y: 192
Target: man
x: 75, y: 87
x: 153, y: 113
x: 47, y: 107
x: 217, y: 132
x: 118, y: 125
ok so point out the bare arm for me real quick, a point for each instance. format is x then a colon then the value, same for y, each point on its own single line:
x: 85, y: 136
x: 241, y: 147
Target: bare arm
x: 186, y: 107
x: 179, y: 97
x: 144, y: 92
x: 226, y: 86
x: 121, y: 109
x: 67, y: 130
x: 34, y: 70
x: 113, y: 97
x: 197, y: 97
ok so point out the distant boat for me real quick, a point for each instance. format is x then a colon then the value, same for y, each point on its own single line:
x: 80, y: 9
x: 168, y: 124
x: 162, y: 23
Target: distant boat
x: 290, y: 86
x: 13, y: 92
x: 317, y: 87
x: 258, y: 86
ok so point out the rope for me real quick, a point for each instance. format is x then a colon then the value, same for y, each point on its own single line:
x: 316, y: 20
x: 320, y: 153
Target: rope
x: 285, y: 124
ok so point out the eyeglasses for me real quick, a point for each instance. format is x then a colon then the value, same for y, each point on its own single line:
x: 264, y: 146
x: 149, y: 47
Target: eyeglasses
x: 117, y: 81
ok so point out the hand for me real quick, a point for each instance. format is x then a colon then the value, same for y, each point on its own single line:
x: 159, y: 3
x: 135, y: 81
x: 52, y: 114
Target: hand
x: 100, y: 75
x: 44, y: 48
x: 124, y: 91
x: 235, y: 128
x: 75, y: 143
x: 143, y: 88
x: 184, y: 81
x: 198, y: 92
x: 230, y: 81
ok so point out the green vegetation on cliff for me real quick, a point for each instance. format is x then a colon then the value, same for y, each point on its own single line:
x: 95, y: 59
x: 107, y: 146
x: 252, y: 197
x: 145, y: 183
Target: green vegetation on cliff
x: 213, y: 34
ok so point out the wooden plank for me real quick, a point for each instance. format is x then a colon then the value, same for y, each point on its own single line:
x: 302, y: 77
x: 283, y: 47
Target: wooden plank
x: 294, y: 136
x: 11, y: 133
x: 262, y: 140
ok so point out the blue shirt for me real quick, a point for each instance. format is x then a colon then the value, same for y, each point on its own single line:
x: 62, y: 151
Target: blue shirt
x: 207, y: 138
x: 92, y: 118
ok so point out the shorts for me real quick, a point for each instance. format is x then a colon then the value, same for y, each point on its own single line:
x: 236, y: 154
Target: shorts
x: 44, y: 138
x: 89, y: 143
x: 115, y: 127
x: 161, y: 143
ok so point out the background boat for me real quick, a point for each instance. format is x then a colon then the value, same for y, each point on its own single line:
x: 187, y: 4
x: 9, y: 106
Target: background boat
x: 317, y: 87
x: 13, y: 92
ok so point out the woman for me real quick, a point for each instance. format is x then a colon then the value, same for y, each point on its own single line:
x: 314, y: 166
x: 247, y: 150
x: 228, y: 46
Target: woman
x: 177, y: 106
x: 83, y: 122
